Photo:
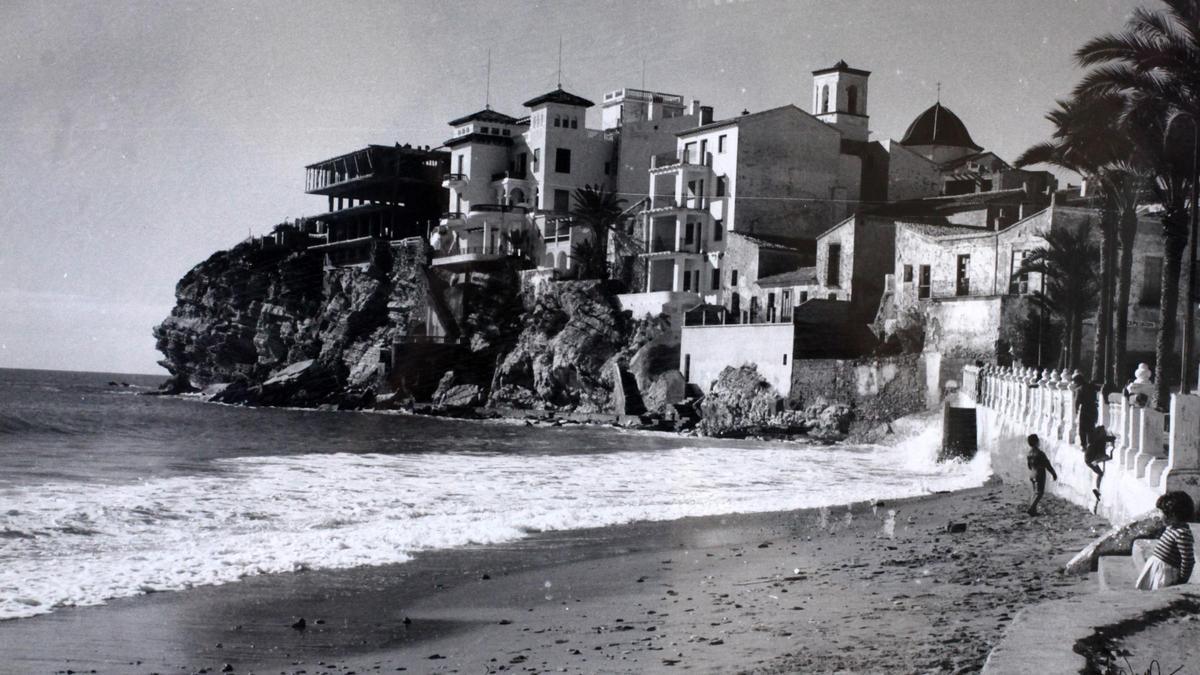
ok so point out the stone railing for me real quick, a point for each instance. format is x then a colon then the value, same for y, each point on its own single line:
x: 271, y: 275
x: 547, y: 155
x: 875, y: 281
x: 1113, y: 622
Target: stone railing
x: 1153, y: 451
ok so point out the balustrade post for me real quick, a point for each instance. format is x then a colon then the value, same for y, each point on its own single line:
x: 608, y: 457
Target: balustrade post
x: 1150, y: 444
x: 1183, y: 457
x: 1069, y: 400
x: 1049, y: 400
x: 1142, y: 385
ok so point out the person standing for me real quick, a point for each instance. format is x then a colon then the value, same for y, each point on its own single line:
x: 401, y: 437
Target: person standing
x: 1039, y: 466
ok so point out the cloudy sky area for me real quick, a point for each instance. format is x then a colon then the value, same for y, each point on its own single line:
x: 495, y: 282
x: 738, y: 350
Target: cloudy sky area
x: 138, y: 138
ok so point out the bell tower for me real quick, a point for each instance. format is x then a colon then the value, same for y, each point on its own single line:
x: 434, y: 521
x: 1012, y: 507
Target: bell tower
x: 840, y: 99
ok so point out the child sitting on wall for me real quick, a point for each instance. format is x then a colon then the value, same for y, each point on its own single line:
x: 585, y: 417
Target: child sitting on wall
x: 1039, y: 465
x: 1173, y: 556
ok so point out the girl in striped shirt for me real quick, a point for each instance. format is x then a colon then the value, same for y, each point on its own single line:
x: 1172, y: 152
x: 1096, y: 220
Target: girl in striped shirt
x: 1173, y: 557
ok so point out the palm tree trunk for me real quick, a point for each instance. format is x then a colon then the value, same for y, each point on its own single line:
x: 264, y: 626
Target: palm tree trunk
x: 1104, y: 312
x: 1073, y: 354
x: 1174, y: 241
x: 1128, y: 233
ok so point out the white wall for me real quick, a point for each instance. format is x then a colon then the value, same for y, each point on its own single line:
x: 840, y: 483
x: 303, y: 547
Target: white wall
x: 706, y: 350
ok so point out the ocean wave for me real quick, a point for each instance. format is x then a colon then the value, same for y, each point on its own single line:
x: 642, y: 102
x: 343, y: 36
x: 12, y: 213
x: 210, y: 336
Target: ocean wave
x: 82, y: 544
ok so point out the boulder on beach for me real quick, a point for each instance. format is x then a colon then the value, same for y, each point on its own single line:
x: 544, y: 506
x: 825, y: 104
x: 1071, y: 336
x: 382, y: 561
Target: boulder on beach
x: 740, y: 398
x: 1117, y: 541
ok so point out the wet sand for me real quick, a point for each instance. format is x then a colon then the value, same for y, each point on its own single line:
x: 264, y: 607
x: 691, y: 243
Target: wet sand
x: 843, y: 589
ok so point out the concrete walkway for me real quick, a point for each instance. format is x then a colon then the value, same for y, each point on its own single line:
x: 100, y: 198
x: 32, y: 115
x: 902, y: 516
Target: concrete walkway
x: 1042, y: 638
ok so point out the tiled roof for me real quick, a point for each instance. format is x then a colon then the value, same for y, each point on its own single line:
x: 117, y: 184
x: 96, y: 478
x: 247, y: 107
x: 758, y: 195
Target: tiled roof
x: 937, y: 231
x: 805, y: 276
x: 485, y: 115
x: 842, y: 67
x: 559, y: 96
x: 933, y: 206
x: 938, y: 126
x: 773, y: 243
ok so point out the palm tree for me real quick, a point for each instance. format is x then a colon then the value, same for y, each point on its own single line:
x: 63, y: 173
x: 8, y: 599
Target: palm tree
x: 1088, y: 139
x: 601, y: 212
x: 1067, y: 263
x: 1154, y: 67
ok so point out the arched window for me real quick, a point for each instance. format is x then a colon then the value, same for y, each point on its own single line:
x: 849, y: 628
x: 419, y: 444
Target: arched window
x: 852, y: 99
x: 825, y: 99
x: 516, y: 197
x: 549, y: 260
x: 562, y: 260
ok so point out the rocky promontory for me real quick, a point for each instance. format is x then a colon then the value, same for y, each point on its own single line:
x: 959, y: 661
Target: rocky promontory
x: 269, y: 323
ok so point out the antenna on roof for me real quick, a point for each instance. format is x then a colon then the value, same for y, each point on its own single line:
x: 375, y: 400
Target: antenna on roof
x: 560, y: 62
x: 643, y: 73
x: 487, y: 97
x: 936, y: 107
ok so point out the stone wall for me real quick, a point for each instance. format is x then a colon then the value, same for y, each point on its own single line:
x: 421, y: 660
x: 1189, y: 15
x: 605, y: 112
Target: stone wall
x: 879, y: 390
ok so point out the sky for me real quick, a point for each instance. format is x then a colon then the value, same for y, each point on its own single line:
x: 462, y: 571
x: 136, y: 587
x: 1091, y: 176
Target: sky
x: 138, y: 138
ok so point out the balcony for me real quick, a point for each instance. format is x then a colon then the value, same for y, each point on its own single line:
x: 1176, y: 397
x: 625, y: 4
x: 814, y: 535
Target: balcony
x: 456, y: 181
x: 666, y: 206
x: 681, y: 161
x: 453, y: 218
x: 465, y: 256
x: 510, y: 175
x: 662, y: 246
x: 498, y: 208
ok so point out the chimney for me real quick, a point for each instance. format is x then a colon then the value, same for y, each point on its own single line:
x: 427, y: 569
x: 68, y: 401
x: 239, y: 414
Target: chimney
x: 694, y: 107
x: 706, y: 114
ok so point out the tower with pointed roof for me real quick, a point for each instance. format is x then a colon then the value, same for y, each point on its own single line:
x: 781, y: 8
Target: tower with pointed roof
x: 840, y: 99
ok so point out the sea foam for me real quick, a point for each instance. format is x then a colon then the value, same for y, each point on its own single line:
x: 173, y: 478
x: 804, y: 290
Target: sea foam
x: 78, y: 544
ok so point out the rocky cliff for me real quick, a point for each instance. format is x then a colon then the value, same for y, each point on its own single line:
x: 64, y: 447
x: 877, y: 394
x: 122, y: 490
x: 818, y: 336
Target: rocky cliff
x: 259, y: 313
x: 264, y: 324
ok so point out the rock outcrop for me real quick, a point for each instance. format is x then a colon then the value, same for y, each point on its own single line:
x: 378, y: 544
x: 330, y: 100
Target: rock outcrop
x: 740, y: 399
x: 277, y: 329
x: 574, y: 335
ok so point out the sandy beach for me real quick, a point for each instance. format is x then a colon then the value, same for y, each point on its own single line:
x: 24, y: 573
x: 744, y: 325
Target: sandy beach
x: 844, y: 589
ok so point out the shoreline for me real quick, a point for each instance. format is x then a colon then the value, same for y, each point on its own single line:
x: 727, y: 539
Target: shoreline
x: 809, y: 590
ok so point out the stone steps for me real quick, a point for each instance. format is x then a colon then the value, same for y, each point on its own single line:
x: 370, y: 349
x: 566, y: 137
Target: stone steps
x: 1119, y: 572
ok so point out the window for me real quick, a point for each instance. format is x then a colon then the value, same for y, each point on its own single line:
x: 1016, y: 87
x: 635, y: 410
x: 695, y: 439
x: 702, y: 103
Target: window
x: 696, y: 280
x: 785, y: 311
x: 832, y: 296
x: 718, y: 230
x: 833, y: 265
x: 715, y: 282
x: 689, y: 233
x: 702, y: 159
x: 687, y: 281
x: 1151, y: 281
x: 562, y: 160
x: 574, y: 122
x: 721, y: 143
x: 908, y: 274
x: 461, y: 158
x: 785, y: 359
x: 720, y: 186
x: 689, y: 151
x: 537, y: 157
x: 923, y: 282
x: 803, y: 296
x: 687, y: 367
x: 608, y: 168
x: 852, y: 99
x: 733, y: 278
x: 562, y: 201
x: 508, y: 132
x: 1018, y: 284
x: 557, y: 121
x: 962, y: 277
x: 825, y: 99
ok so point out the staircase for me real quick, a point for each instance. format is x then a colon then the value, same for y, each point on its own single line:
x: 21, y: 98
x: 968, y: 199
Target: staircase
x: 1119, y: 572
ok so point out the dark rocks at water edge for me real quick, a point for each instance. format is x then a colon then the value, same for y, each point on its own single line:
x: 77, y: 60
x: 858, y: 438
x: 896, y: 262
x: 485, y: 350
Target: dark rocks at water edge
x: 270, y: 326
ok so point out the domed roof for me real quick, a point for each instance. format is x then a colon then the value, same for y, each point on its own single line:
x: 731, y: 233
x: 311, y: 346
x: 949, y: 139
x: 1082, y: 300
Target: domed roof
x: 938, y: 126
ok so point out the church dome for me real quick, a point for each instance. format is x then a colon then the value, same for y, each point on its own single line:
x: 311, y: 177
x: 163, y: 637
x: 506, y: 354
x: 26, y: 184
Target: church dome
x: 938, y: 126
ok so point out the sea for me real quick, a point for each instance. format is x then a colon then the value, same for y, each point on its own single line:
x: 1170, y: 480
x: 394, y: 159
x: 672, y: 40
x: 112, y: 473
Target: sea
x: 106, y: 492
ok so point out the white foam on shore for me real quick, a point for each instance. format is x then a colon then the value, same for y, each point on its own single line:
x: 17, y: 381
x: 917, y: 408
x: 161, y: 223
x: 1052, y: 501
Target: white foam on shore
x: 67, y: 544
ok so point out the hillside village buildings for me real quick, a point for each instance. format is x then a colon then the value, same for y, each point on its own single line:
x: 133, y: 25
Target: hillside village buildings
x: 769, y: 237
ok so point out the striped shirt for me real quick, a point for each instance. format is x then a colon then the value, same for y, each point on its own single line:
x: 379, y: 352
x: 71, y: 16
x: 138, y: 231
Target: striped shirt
x: 1175, y: 547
